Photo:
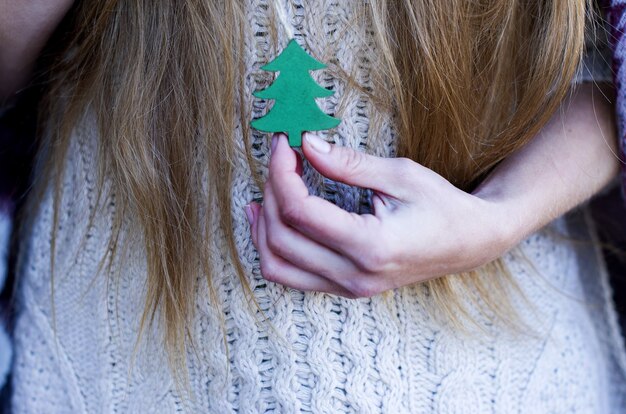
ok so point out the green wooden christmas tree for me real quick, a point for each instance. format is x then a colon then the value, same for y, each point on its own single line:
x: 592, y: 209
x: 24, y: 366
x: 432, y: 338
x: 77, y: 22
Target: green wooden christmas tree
x: 294, y: 93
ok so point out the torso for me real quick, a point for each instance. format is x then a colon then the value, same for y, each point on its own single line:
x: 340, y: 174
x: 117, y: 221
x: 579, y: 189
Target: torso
x: 324, y: 353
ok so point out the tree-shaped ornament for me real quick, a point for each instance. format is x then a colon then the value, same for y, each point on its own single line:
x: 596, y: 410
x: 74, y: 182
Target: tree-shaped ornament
x: 294, y: 93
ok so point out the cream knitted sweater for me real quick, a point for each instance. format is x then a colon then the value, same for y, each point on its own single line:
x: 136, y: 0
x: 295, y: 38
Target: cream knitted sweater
x: 328, y: 354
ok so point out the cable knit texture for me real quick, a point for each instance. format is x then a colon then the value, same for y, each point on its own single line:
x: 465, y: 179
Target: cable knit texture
x: 327, y: 354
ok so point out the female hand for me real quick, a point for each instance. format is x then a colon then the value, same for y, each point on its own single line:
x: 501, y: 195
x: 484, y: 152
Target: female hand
x: 422, y: 226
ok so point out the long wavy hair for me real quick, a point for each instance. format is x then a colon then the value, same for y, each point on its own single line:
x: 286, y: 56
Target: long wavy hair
x: 164, y: 78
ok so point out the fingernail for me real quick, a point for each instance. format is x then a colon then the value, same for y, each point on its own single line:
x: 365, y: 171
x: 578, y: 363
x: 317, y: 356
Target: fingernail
x: 317, y: 143
x: 274, y: 142
x: 249, y: 213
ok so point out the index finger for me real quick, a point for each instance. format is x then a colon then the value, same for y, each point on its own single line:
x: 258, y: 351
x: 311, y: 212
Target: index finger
x: 313, y: 216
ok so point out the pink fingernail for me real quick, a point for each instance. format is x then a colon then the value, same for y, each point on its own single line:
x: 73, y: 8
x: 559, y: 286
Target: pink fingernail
x: 317, y: 143
x: 249, y: 214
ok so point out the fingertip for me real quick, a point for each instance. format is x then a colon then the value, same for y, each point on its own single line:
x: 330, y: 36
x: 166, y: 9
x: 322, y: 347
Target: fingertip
x: 252, y: 213
x: 283, y: 157
x: 281, y: 139
x: 249, y: 214
x: 256, y: 209
x: 314, y: 143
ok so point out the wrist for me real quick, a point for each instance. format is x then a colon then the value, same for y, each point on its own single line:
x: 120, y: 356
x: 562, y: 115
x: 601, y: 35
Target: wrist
x: 506, y: 225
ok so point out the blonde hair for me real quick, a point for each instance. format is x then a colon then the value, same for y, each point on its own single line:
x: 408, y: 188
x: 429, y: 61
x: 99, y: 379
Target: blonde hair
x: 477, y: 78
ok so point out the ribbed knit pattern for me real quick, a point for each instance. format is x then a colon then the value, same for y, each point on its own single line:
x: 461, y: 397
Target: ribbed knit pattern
x: 324, y: 354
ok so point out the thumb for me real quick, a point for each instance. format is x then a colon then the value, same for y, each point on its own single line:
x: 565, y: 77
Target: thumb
x: 386, y: 175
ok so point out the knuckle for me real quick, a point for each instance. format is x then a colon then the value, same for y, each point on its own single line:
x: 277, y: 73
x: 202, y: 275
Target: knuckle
x: 353, y: 161
x: 272, y: 240
x: 365, y: 288
x: 349, y: 295
x: 405, y: 168
x: 292, y: 213
x: 376, y: 261
x: 269, y: 271
x: 276, y: 242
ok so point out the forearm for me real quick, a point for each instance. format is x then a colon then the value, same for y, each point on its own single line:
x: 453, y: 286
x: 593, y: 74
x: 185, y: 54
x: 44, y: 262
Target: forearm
x: 572, y: 158
x: 25, y: 26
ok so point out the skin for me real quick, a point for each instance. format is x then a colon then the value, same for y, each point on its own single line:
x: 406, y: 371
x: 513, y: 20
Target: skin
x: 25, y: 26
x: 422, y: 226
